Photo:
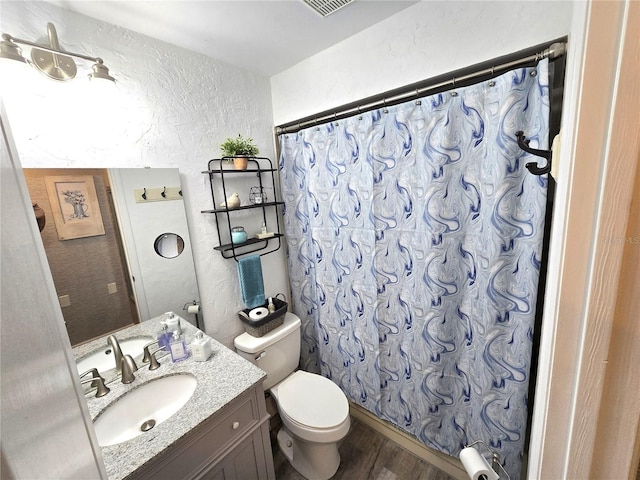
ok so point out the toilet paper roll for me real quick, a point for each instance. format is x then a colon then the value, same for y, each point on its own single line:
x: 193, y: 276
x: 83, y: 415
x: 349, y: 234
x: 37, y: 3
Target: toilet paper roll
x: 258, y: 313
x: 195, y: 309
x: 476, y: 466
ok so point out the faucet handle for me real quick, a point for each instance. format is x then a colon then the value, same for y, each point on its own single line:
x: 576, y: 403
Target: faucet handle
x: 93, y: 371
x: 97, y: 382
x: 150, y: 357
x: 94, y: 376
x: 101, y: 389
x: 128, y: 367
x: 146, y: 357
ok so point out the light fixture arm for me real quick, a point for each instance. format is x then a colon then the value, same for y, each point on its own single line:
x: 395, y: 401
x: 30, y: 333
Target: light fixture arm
x: 51, y: 60
x: 52, y: 48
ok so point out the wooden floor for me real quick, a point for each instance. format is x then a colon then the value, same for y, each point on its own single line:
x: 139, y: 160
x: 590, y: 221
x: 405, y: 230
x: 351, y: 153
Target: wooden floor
x: 367, y: 455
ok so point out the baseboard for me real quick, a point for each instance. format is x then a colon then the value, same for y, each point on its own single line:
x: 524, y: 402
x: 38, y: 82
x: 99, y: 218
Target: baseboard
x: 448, y: 464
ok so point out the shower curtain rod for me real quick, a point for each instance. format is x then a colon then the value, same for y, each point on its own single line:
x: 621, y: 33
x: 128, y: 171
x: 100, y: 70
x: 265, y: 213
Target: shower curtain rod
x: 458, y: 78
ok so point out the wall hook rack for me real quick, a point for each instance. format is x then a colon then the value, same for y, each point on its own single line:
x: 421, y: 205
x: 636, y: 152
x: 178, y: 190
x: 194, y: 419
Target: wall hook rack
x: 157, y: 194
x: 523, y: 143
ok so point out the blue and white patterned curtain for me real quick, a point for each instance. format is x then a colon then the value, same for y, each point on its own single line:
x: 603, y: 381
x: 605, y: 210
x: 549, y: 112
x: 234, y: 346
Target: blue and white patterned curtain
x: 414, y: 238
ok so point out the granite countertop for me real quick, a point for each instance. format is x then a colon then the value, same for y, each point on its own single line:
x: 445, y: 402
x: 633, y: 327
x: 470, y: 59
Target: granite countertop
x: 221, y: 379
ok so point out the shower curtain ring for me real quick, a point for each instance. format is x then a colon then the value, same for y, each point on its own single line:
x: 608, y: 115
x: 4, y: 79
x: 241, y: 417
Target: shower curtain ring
x: 492, y: 82
x: 453, y: 89
x: 418, y: 102
x: 384, y: 104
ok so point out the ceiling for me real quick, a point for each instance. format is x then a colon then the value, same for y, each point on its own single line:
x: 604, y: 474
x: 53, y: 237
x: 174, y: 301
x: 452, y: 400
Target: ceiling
x: 264, y: 36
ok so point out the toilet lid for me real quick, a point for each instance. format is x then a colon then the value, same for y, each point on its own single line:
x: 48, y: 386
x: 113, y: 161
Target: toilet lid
x: 312, y: 400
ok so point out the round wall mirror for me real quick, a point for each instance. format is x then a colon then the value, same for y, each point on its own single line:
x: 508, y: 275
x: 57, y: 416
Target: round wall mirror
x: 169, y: 245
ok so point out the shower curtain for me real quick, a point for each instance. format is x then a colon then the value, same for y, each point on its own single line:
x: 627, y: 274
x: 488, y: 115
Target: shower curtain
x: 414, y: 237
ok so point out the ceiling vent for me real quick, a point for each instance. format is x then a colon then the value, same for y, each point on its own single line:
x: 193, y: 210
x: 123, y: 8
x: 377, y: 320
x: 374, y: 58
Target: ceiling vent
x: 327, y: 7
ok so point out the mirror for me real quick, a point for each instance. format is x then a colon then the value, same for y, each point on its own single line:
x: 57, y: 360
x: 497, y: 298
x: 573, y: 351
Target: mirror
x: 137, y: 266
x: 169, y: 245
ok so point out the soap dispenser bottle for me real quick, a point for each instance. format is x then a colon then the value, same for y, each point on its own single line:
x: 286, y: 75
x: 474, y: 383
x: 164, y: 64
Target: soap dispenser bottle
x: 172, y: 322
x: 178, y: 348
x: 201, y: 348
x: 164, y: 337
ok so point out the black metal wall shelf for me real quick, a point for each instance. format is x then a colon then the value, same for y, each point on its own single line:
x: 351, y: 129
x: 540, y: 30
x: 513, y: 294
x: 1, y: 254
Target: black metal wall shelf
x: 243, y: 207
x: 261, y: 168
x: 250, y: 241
x: 227, y: 171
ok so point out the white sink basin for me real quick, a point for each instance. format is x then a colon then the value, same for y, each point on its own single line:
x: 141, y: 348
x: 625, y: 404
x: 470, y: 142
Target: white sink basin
x: 103, y: 358
x: 143, y: 408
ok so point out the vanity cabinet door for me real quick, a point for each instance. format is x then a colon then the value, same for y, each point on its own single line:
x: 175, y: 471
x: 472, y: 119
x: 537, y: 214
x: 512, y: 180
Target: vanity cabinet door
x: 243, y: 463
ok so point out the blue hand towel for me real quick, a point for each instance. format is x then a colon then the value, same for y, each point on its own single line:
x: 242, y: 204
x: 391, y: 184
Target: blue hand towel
x: 251, y: 284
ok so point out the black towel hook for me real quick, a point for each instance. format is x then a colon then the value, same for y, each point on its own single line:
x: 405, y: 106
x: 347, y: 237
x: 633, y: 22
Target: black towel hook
x: 164, y: 193
x: 144, y: 195
x: 523, y: 143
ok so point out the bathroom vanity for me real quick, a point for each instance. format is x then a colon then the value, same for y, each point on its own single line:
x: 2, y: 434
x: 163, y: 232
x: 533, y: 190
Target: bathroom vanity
x: 222, y: 432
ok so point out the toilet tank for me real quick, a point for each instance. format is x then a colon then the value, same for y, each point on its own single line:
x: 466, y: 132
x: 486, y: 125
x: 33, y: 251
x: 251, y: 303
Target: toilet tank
x: 277, y: 352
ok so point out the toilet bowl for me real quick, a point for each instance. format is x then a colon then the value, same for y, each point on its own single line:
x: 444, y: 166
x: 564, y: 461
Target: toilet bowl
x: 313, y: 409
x: 315, y: 418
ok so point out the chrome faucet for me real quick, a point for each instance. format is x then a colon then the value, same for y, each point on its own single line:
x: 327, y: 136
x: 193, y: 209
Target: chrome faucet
x: 128, y: 366
x: 112, y: 341
x: 96, y: 381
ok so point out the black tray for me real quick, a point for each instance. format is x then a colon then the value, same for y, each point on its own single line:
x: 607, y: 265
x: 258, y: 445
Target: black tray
x: 281, y: 309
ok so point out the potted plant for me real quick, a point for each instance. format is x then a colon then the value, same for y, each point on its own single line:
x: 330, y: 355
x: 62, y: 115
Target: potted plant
x: 239, y: 149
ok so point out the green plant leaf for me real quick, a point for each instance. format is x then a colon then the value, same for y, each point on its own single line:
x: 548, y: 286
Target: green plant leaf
x: 239, y: 146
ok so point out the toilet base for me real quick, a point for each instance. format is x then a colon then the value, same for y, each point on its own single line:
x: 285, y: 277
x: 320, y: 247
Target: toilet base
x: 314, y: 461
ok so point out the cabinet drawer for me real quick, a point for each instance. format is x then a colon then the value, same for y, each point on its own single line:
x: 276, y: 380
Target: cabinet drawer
x: 233, y: 424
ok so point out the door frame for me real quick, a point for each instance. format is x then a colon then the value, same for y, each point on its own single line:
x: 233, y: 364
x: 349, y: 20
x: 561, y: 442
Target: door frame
x: 598, y: 158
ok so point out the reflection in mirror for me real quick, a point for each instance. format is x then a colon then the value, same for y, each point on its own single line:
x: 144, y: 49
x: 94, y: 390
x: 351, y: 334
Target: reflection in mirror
x: 103, y: 284
x: 160, y: 285
x: 169, y: 245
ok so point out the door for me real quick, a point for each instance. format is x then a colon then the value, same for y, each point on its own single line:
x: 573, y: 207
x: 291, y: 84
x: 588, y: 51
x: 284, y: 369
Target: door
x: 156, y: 237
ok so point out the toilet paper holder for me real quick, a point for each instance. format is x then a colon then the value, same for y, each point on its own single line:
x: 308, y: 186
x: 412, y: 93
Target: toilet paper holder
x: 495, y: 458
x: 194, y: 309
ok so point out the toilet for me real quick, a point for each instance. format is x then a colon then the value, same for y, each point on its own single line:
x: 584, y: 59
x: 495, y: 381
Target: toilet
x: 313, y: 409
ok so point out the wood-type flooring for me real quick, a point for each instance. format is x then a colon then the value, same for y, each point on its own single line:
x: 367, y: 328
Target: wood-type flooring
x: 367, y: 455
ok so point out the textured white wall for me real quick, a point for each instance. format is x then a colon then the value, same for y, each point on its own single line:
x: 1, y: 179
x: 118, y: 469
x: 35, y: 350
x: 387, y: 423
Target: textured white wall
x: 422, y: 41
x: 172, y: 108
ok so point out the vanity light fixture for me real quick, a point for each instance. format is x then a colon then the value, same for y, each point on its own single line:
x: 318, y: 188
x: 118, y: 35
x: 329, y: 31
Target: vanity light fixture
x: 51, y: 60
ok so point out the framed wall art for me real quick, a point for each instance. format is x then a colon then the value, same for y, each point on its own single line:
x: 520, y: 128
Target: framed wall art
x: 75, y: 206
